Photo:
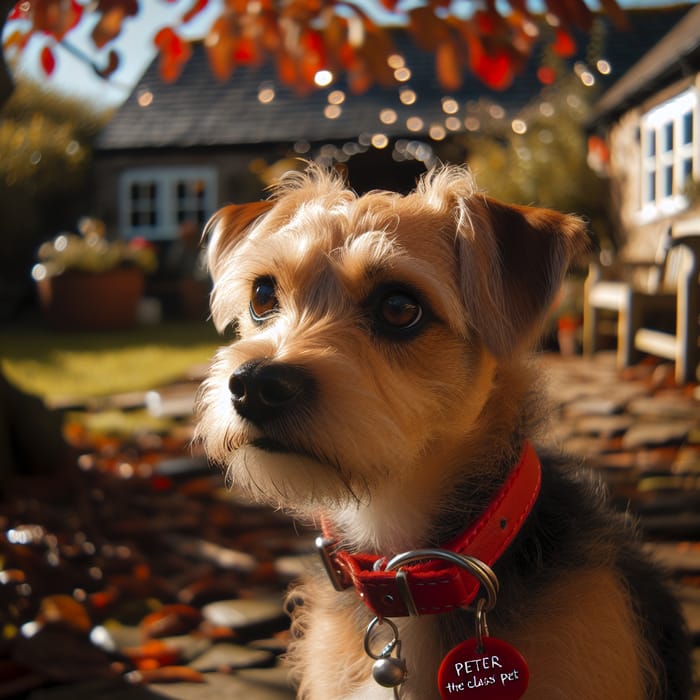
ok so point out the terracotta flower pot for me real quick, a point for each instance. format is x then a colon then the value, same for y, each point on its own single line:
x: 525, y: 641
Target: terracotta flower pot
x: 78, y: 300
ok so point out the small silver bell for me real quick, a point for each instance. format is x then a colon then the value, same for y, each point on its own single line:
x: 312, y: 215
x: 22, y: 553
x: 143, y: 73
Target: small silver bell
x: 389, y: 671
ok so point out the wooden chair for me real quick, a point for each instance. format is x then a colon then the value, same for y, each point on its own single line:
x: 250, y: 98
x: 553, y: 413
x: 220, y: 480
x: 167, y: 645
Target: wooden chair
x: 645, y: 292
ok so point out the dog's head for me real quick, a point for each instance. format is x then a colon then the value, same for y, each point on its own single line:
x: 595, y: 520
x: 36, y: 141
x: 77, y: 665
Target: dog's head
x: 370, y: 329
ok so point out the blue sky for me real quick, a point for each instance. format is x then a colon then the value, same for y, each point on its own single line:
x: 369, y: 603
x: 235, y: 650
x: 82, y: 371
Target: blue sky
x: 136, y: 50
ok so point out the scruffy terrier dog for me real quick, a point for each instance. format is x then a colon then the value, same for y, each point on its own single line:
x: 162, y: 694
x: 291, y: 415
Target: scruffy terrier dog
x: 380, y: 387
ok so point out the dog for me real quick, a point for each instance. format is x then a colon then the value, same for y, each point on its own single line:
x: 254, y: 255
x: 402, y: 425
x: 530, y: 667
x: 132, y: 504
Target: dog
x: 381, y: 386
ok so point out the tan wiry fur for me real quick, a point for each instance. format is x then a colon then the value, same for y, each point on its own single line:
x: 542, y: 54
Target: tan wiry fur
x: 395, y: 424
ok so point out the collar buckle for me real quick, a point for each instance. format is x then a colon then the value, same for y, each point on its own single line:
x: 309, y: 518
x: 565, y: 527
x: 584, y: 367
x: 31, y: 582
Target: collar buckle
x: 327, y: 547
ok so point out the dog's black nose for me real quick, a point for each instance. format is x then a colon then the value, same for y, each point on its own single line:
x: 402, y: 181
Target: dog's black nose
x: 263, y: 390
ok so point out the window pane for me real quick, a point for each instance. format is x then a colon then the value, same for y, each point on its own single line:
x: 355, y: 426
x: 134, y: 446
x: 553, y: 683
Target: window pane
x: 191, y: 197
x: 652, y: 143
x: 668, y: 181
x: 651, y: 187
x: 142, y: 203
x: 687, y: 171
x: 688, y: 128
x: 668, y: 137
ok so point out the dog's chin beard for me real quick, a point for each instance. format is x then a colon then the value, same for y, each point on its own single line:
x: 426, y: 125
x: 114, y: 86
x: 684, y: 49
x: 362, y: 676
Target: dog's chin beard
x: 267, y: 444
x: 288, y: 478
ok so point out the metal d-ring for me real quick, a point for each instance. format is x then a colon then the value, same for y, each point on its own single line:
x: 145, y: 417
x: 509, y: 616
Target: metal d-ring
x: 390, y: 646
x: 482, y: 627
x: 477, y: 568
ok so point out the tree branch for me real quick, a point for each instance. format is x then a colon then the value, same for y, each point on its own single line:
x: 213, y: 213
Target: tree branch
x: 7, y: 85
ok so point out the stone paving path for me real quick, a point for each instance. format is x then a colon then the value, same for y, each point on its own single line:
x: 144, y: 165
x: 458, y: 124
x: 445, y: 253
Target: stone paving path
x: 642, y: 433
x: 150, y: 580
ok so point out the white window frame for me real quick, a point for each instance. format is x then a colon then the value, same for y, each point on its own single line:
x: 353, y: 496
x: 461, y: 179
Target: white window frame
x: 166, y: 180
x: 661, y: 161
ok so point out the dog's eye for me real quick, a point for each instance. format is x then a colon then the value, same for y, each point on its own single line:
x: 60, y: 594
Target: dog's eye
x: 263, y: 300
x: 400, y: 310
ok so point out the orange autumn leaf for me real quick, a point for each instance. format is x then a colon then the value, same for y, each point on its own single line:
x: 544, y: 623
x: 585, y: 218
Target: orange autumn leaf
x: 427, y: 30
x: 109, y: 27
x: 448, y: 66
x: 65, y: 609
x: 219, y: 48
x: 287, y: 69
x: 55, y: 17
x: 17, y: 39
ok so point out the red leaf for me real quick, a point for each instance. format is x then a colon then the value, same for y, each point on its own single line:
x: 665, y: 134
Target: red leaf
x: 245, y: 51
x: 486, y: 22
x: 152, y: 653
x: 599, y: 148
x: 174, y: 53
x: 564, y: 44
x: 20, y: 11
x: 48, y: 60
x: 312, y: 43
x: 164, y: 38
x: 546, y: 75
x: 496, y: 70
x: 348, y: 56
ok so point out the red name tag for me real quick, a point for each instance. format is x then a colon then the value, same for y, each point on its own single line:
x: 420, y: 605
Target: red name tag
x: 496, y: 671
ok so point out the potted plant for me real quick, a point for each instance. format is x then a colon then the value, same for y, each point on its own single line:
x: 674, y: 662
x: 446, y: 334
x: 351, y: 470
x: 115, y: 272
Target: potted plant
x: 87, y: 282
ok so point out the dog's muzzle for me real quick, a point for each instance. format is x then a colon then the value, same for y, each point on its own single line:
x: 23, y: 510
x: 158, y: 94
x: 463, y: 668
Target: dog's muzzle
x: 262, y: 391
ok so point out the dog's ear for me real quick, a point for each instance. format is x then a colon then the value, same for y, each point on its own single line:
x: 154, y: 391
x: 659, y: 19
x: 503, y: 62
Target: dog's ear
x: 227, y: 227
x: 513, y: 260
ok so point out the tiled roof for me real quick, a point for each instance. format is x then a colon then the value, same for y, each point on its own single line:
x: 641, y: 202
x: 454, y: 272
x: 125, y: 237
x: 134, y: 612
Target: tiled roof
x: 675, y: 55
x: 198, y: 110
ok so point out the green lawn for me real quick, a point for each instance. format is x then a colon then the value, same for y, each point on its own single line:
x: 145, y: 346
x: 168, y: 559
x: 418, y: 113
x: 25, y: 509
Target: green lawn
x: 59, y: 366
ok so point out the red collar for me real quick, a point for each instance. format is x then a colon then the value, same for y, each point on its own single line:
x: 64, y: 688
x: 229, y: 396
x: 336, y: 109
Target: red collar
x: 436, y: 586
